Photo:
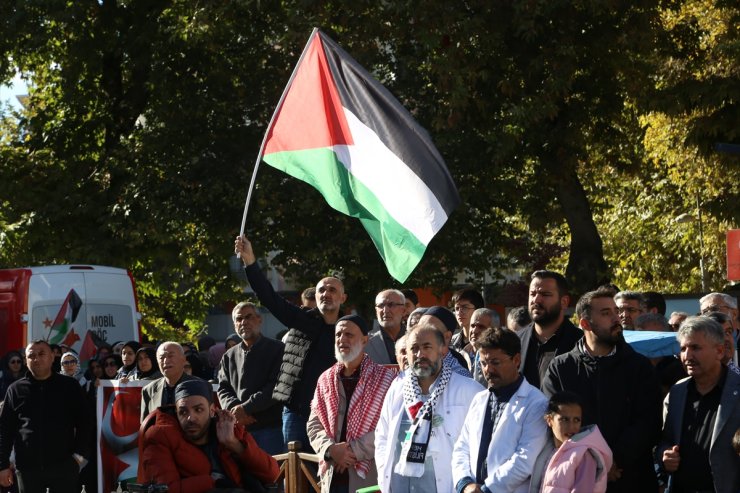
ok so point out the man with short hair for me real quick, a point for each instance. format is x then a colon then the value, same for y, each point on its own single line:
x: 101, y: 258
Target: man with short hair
x: 729, y: 359
x: 550, y: 333
x: 504, y: 429
x: 412, y: 301
x: 247, y: 377
x: 345, y: 410
x: 464, y: 303
x: 389, y: 310
x: 631, y: 305
x: 309, y: 344
x: 674, y: 322
x: 403, y: 362
x: 654, y: 303
x: 421, y: 418
x: 444, y: 321
x: 619, y: 388
x: 45, y: 420
x: 702, y: 414
x: 161, y: 392
x: 308, y: 298
x: 481, y: 320
x: 200, y: 448
x: 724, y: 303
x: 518, y: 318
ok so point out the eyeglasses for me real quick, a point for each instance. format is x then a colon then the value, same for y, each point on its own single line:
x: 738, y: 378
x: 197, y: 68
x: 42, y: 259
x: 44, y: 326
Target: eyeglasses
x: 463, y: 308
x: 15, y: 362
x: 69, y: 362
x: 388, y: 305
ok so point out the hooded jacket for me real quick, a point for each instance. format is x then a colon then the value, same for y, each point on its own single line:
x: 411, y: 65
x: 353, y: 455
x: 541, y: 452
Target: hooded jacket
x: 621, y: 394
x: 586, y: 448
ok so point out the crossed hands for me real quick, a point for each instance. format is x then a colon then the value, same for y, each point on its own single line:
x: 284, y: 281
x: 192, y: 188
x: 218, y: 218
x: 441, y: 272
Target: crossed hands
x: 342, y: 455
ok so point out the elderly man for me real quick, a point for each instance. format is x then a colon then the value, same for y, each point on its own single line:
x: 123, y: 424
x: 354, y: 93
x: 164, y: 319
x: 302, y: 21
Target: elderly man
x: 724, y: 303
x: 309, y: 344
x: 504, y: 429
x: 201, y: 448
x: 422, y: 416
x: 619, y: 389
x: 389, y: 310
x: 161, y: 392
x: 550, y: 333
x: 702, y: 414
x: 724, y: 321
x: 45, y: 419
x: 247, y: 376
x: 345, y: 411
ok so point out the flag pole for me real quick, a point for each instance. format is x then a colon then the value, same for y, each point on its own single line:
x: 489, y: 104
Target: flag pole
x: 269, y: 126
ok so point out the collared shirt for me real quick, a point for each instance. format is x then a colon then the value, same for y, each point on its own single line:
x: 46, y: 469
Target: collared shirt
x: 699, y: 416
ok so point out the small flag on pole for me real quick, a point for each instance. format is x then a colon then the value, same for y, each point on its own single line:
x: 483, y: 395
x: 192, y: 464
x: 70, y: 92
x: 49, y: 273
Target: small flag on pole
x: 64, y: 319
x: 341, y: 131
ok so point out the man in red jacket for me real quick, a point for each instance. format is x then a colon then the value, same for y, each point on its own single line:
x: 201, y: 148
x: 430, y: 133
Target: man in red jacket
x: 201, y: 447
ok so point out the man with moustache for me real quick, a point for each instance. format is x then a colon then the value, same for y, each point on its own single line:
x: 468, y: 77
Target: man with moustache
x: 631, y: 305
x: 389, y: 310
x: 345, y: 410
x: 550, y: 332
x: 727, y: 304
x: 702, y: 415
x: 309, y: 344
x: 422, y: 416
x: 247, y: 376
x: 481, y: 320
x: 619, y: 389
x: 200, y: 448
x: 504, y: 429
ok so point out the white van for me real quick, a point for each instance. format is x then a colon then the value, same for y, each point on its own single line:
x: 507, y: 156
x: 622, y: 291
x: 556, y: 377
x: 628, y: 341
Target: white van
x: 31, y: 297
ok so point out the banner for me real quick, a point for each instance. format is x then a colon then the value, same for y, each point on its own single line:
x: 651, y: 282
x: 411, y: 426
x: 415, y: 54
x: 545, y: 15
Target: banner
x: 733, y: 255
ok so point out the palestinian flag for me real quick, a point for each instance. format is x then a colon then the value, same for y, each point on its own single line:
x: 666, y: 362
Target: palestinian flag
x: 64, y: 319
x: 339, y: 130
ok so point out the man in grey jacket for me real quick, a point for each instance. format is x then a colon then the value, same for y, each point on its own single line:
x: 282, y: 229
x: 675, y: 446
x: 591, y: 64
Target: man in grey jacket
x: 702, y: 413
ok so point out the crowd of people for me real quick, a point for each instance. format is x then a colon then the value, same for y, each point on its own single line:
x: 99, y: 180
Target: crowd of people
x: 429, y: 399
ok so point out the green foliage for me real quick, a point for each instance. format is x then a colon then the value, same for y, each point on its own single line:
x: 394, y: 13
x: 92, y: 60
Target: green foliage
x: 566, y: 125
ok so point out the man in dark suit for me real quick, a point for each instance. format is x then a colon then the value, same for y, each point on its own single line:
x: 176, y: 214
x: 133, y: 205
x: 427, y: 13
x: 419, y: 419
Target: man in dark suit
x: 550, y: 333
x: 702, y: 415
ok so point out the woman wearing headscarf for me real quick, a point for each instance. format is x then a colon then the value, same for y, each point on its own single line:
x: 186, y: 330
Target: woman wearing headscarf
x: 12, y: 367
x: 111, y: 364
x: 128, y: 359
x: 147, y: 367
x: 71, y: 368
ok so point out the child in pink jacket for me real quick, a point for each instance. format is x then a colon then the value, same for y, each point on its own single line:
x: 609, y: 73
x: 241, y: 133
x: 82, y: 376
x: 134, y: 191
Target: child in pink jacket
x: 575, y: 460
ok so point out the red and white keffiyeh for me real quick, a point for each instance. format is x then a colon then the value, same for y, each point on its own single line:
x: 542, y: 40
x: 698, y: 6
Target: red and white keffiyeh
x: 364, y: 407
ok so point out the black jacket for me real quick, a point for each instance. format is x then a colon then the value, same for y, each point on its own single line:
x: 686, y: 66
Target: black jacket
x: 46, y: 420
x: 309, y: 347
x: 248, y: 378
x: 568, y: 336
x: 620, y: 394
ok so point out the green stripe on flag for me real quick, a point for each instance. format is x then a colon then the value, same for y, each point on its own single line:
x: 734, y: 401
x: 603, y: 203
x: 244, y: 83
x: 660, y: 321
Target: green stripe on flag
x: 321, y: 168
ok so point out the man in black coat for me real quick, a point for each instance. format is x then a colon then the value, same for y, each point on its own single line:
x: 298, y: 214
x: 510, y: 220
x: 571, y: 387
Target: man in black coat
x: 619, y: 390
x: 550, y: 332
x: 46, y: 418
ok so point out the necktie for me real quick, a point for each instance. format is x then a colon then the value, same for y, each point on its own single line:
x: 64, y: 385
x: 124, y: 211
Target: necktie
x: 481, y: 470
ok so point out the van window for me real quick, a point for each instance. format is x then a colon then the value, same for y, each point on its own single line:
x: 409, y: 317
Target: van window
x: 111, y: 322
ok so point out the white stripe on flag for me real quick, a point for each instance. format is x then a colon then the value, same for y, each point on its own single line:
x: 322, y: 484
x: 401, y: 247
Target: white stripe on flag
x: 403, y: 194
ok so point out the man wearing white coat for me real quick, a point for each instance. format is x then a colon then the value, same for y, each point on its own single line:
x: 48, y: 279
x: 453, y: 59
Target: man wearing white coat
x: 504, y: 430
x: 421, y: 418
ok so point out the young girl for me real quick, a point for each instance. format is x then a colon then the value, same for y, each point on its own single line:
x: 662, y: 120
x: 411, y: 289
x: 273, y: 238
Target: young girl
x: 575, y: 459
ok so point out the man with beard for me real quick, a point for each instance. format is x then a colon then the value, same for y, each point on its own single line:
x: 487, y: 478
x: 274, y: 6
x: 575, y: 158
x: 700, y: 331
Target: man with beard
x: 504, y: 429
x: 389, y: 308
x: 702, y: 415
x: 201, y: 448
x: 619, y: 389
x: 550, y: 332
x: 422, y: 416
x: 309, y: 344
x: 345, y: 410
x: 247, y: 378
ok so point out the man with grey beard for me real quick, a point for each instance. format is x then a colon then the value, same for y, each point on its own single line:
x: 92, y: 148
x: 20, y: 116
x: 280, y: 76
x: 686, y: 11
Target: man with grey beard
x: 421, y: 419
x: 345, y: 410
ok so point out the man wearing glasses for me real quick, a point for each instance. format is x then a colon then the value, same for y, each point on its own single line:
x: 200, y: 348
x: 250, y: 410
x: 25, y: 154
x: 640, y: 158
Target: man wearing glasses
x: 723, y: 303
x: 464, y: 303
x: 390, y: 306
x: 631, y: 305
